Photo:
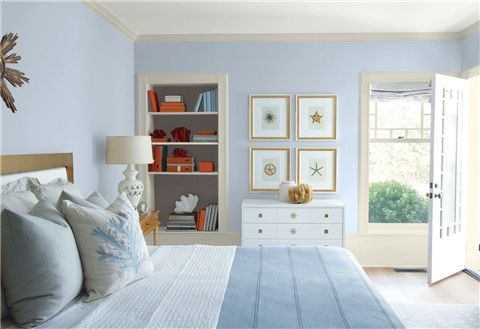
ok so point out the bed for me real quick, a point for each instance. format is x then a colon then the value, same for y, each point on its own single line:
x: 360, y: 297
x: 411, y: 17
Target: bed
x: 198, y: 286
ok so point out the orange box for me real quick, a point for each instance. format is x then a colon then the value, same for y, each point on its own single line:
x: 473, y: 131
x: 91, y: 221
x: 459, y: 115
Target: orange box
x: 206, y: 166
x: 180, y: 160
x: 179, y: 167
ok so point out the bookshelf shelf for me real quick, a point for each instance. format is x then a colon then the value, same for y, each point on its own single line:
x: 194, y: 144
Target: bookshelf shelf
x: 187, y: 143
x: 182, y: 113
x: 195, y: 173
x: 163, y: 188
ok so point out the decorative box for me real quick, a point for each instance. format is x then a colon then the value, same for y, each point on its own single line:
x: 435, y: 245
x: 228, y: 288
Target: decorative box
x: 206, y: 166
x: 180, y: 160
x: 175, y: 167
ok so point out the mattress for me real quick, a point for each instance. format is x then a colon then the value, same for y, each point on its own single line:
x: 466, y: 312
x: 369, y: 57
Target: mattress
x: 201, y: 286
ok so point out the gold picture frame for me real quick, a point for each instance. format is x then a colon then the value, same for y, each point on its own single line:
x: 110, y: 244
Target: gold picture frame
x: 264, y: 181
x: 325, y: 107
x: 274, y: 124
x: 321, y: 165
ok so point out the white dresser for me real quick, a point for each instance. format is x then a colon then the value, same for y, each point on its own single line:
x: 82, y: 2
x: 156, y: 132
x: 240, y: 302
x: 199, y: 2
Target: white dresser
x: 275, y: 223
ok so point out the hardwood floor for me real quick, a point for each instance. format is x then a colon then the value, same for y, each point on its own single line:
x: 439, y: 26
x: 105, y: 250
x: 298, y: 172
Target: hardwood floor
x: 412, y: 287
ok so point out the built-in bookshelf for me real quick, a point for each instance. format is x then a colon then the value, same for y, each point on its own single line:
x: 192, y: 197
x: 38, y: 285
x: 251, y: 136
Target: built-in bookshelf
x: 163, y: 188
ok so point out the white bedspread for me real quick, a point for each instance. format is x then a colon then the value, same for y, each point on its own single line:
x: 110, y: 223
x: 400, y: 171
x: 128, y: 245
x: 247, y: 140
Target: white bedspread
x: 185, y: 291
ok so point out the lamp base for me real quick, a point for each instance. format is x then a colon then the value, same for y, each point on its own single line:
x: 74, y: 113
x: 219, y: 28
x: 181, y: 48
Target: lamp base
x: 132, y: 186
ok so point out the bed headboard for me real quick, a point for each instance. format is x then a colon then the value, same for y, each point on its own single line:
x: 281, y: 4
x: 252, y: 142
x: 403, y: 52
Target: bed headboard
x: 15, y: 164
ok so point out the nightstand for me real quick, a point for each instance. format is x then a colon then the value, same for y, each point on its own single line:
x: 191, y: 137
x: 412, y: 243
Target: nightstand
x: 149, y: 223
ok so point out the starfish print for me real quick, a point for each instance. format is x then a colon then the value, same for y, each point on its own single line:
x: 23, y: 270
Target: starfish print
x: 316, y: 117
x: 316, y: 170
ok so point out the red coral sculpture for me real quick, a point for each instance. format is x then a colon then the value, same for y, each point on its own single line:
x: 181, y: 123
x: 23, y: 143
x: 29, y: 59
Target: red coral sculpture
x: 158, y: 133
x: 181, y: 134
x: 179, y: 152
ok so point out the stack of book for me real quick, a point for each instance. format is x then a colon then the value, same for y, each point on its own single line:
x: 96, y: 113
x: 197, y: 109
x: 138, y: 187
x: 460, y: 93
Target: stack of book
x: 205, y: 136
x: 181, y: 222
x: 159, y: 158
x: 208, y: 218
x: 207, y: 101
x: 173, y: 103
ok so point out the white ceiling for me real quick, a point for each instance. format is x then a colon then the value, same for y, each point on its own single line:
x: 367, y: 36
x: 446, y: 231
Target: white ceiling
x: 193, y: 17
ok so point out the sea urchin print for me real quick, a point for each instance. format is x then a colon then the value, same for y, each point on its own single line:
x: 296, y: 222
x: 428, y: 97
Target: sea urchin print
x: 269, y: 117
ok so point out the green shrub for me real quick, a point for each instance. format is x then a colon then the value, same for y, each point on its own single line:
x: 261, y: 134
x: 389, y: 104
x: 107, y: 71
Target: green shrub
x: 394, y: 202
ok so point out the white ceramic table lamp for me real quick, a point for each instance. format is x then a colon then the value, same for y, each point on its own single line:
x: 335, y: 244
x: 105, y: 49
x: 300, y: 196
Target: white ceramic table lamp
x: 129, y: 150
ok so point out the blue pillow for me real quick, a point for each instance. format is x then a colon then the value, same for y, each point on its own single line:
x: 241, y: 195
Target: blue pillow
x: 41, y: 267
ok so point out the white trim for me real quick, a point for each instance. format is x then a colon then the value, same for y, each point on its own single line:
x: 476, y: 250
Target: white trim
x: 400, y: 250
x: 297, y: 37
x: 469, y: 30
x: 365, y: 80
x: 471, y: 72
x: 115, y: 21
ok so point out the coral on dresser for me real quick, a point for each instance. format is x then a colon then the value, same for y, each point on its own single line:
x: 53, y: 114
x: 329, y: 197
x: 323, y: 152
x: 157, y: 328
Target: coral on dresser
x: 302, y: 193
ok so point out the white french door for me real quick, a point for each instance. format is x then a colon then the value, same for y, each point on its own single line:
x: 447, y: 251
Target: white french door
x: 447, y: 224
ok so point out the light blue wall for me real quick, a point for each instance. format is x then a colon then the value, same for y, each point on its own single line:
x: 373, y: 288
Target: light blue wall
x: 296, y: 67
x: 81, y: 88
x: 471, y: 51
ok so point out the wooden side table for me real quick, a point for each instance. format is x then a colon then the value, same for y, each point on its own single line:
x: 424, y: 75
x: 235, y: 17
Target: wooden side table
x: 150, y: 223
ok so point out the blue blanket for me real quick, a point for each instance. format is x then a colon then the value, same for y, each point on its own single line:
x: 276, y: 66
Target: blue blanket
x: 301, y: 287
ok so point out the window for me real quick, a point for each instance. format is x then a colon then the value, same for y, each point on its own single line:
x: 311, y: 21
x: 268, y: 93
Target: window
x: 395, y: 120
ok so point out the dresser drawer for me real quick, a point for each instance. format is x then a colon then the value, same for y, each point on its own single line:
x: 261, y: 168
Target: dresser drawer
x: 259, y: 231
x: 333, y: 243
x: 326, y: 215
x: 259, y: 215
x: 258, y: 242
x: 326, y: 232
x: 295, y: 242
x: 293, y: 231
x: 293, y: 215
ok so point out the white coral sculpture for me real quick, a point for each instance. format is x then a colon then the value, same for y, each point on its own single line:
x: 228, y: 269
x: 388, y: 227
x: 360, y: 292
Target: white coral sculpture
x: 186, y: 204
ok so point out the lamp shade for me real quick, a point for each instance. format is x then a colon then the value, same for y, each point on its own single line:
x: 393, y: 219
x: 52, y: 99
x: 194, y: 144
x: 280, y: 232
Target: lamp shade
x: 129, y: 150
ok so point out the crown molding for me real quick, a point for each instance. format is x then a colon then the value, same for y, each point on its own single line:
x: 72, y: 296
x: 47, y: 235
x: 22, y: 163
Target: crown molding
x: 469, y: 30
x: 297, y: 37
x: 99, y: 9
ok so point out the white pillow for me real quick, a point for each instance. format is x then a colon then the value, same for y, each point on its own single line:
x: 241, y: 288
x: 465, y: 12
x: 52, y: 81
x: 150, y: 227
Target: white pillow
x: 20, y: 202
x: 52, y: 190
x: 111, y: 245
x: 20, y: 185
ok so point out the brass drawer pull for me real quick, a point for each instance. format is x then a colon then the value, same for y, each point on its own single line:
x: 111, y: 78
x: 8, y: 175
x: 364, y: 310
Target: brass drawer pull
x: 260, y: 230
x: 260, y: 215
x: 325, y: 231
x: 293, y: 215
x: 326, y: 215
x: 293, y: 231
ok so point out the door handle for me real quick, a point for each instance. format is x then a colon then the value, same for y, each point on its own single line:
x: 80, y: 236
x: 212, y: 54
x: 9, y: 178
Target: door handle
x: 439, y: 195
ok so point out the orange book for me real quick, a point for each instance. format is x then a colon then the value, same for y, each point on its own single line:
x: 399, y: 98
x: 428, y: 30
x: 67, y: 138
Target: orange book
x: 206, y: 166
x: 171, y: 110
x: 207, y: 132
x: 153, y: 100
x: 201, y: 219
x: 180, y: 160
x: 174, y: 105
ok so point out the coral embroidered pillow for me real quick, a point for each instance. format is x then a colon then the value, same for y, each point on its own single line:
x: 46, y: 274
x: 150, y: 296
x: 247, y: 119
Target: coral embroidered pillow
x: 111, y: 245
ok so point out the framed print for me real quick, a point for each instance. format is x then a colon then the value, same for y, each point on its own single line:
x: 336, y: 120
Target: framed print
x: 269, y: 117
x: 269, y: 166
x: 316, y: 117
x: 317, y: 167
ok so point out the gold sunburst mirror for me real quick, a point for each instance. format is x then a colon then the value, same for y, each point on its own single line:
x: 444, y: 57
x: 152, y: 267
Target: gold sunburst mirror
x: 15, y: 77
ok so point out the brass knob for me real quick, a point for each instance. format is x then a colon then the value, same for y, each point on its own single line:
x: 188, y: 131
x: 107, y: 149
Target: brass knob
x: 260, y: 230
x: 326, y: 215
x: 325, y: 231
x: 260, y: 215
x: 293, y: 215
x: 293, y: 231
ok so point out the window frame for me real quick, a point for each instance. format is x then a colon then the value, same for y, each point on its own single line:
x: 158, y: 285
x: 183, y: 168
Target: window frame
x: 364, y: 227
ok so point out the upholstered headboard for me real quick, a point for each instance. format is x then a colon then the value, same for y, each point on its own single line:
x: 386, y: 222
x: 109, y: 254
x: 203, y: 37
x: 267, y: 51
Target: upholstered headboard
x: 48, y: 165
